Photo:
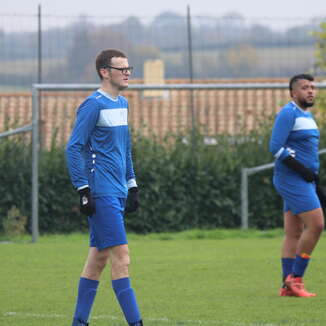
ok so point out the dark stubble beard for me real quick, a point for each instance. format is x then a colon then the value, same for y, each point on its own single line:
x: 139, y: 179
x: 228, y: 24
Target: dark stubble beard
x: 303, y: 104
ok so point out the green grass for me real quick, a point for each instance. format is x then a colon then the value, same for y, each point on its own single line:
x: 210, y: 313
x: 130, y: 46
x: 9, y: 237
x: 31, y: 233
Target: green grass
x: 218, y: 277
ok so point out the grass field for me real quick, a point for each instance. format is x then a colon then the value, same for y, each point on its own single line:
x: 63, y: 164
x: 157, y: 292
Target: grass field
x: 223, y: 278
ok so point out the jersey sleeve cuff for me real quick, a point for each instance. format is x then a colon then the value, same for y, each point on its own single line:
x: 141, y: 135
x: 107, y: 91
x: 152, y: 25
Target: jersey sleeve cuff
x: 131, y: 183
x: 82, y: 187
x: 279, y: 153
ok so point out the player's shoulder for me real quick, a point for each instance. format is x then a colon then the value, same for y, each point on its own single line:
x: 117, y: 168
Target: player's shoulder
x: 98, y: 99
x: 95, y: 97
x: 288, y: 110
x: 90, y: 102
x: 106, y: 101
x: 289, y: 107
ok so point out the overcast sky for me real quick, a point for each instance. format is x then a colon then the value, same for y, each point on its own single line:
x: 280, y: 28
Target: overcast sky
x: 148, y: 8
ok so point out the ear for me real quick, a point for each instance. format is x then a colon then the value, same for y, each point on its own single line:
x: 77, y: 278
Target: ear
x: 104, y: 73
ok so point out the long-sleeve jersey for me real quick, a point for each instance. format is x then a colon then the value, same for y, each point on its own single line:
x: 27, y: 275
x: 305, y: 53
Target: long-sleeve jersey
x: 294, y: 133
x: 99, y: 149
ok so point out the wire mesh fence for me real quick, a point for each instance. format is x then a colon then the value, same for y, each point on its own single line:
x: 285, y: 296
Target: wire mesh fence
x: 230, y: 46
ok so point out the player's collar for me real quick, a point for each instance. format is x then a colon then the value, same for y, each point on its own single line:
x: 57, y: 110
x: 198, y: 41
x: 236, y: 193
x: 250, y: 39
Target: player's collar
x: 115, y: 99
x: 298, y: 107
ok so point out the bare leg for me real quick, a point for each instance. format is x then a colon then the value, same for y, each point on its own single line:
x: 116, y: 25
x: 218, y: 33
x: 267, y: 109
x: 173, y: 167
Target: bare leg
x: 119, y: 257
x: 293, y: 228
x: 88, y: 283
x: 120, y: 260
x: 314, y: 226
x: 95, y: 263
x: 313, y: 222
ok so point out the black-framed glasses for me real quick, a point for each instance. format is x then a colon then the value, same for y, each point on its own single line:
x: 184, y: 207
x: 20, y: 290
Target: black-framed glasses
x: 124, y: 70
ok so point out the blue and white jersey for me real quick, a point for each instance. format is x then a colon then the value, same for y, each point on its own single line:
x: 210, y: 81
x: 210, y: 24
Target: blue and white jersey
x: 99, y: 149
x: 295, y: 133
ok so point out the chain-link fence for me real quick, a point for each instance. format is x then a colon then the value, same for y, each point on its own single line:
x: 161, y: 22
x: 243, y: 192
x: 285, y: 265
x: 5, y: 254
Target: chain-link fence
x: 60, y: 49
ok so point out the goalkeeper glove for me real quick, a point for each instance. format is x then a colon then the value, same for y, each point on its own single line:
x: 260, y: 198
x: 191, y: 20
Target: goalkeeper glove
x: 87, y: 206
x: 296, y: 166
x: 321, y: 193
x: 132, y: 200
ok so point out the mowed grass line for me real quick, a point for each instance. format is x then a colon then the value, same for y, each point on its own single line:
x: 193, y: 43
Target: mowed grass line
x: 227, y: 278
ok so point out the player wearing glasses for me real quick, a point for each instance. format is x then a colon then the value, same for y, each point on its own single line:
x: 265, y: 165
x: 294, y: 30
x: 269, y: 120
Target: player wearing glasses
x: 101, y: 169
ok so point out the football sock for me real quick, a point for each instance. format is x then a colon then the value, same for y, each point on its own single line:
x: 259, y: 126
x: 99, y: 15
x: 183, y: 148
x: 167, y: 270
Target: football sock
x: 127, y: 300
x: 86, y: 294
x: 300, y: 264
x: 287, y: 266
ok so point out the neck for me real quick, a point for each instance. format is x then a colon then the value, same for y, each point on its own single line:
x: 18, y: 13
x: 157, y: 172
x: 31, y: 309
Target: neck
x: 299, y: 106
x: 109, y: 89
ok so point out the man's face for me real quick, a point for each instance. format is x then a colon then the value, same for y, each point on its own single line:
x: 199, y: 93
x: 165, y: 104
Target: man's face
x: 119, y: 78
x: 304, y: 93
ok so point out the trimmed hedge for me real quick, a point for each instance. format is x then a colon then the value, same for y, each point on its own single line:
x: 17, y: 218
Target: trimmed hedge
x: 183, y: 183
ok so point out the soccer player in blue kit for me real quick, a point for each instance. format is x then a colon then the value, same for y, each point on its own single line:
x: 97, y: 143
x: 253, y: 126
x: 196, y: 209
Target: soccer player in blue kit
x: 100, y: 166
x: 294, y: 144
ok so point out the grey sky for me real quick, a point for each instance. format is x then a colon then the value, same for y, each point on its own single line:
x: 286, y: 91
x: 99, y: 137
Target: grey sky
x: 148, y: 8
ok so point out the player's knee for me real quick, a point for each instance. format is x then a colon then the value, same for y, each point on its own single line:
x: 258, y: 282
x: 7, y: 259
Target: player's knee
x: 318, y: 228
x: 101, y: 262
x: 121, y: 263
x: 293, y: 234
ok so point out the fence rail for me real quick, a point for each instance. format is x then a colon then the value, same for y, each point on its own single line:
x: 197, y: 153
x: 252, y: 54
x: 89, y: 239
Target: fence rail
x: 142, y: 87
x: 16, y: 131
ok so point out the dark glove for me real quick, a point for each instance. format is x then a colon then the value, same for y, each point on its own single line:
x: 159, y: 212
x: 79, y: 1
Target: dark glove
x: 321, y: 193
x: 296, y: 166
x: 132, y: 200
x: 87, y: 205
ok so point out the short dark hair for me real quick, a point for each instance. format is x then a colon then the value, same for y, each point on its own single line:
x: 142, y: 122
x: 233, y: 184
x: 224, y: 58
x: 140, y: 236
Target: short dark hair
x: 103, y: 59
x: 295, y: 78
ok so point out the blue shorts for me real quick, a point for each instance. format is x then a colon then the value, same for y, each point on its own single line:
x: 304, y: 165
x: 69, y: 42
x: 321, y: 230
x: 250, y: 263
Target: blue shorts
x: 298, y: 195
x: 106, y: 226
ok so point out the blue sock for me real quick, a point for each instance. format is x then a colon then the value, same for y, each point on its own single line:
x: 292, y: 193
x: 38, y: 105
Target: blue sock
x: 127, y: 300
x: 86, y: 295
x: 300, y: 265
x: 287, y: 266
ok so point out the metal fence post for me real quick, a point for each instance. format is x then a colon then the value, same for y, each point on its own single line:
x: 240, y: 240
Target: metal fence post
x: 244, y: 198
x: 35, y: 162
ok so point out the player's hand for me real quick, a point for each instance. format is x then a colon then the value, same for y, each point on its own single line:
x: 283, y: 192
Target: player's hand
x: 87, y: 205
x: 132, y: 200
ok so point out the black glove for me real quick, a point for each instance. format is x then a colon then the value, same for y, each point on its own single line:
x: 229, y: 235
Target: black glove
x: 321, y: 193
x: 86, y: 202
x: 296, y: 166
x: 132, y: 200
